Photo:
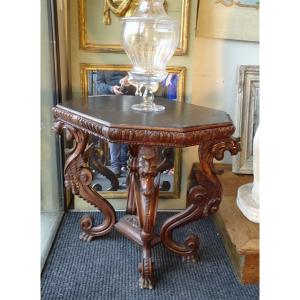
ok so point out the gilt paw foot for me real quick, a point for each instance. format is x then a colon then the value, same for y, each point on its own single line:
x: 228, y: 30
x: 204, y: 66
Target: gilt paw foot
x: 85, y: 237
x: 192, y: 258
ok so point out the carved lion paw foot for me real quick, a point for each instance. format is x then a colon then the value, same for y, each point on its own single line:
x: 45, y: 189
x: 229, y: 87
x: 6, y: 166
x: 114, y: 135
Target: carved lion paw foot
x: 86, y: 237
x: 146, y: 283
x: 146, y: 269
x: 192, y: 258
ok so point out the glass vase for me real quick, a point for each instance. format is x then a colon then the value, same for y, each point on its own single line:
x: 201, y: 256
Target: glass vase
x: 150, y: 39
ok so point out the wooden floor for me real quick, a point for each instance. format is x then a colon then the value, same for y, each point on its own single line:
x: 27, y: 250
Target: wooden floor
x: 240, y: 236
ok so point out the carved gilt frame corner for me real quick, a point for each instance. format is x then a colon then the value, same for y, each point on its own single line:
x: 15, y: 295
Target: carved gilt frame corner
x: 84, y: 44
x: 180, y: 71
x: 247, y: 117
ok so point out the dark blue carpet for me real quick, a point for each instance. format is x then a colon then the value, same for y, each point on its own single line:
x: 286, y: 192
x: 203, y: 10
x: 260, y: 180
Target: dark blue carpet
x: 106, y: 268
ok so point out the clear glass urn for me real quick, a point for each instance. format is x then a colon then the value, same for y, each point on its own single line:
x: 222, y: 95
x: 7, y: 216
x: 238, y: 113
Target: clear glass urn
x: 150, y: 39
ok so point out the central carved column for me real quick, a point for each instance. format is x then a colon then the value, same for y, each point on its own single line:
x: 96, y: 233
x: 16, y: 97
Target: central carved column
x: 146, y: 209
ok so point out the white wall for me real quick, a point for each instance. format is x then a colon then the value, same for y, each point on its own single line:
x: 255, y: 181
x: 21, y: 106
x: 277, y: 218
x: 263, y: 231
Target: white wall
x: 215, y: 65
x: 214, y: 74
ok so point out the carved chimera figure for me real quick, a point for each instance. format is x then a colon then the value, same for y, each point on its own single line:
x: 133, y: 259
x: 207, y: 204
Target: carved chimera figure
x: 78, y: 178
x: 203, y: 199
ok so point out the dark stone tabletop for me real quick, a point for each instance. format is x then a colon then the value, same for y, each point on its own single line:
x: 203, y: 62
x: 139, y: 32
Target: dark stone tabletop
x: 115, y: 111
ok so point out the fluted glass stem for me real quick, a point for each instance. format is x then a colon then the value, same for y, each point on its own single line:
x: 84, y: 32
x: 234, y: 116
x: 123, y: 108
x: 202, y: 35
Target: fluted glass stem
x: 148, y: 102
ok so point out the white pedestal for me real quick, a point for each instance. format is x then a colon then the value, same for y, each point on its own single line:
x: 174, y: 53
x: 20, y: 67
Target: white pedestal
x: 248, y: 194
x: 246, y: 203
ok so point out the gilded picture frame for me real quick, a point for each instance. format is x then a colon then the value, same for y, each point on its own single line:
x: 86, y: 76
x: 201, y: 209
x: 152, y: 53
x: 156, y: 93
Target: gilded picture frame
x: 178, y: 70
x: 87, y: 45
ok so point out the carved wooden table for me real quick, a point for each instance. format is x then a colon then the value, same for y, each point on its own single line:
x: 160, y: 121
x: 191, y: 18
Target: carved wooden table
x: 180, y: 125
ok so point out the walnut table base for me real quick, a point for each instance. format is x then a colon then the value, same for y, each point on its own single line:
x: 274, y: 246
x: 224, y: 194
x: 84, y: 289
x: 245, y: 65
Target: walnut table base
x: 144, y: 132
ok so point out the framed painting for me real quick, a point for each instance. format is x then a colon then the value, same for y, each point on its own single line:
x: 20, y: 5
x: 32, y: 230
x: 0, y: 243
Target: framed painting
x: 229, y: 19
x: 247, y: 116
x: 100, y: 32
x: 95, y: 81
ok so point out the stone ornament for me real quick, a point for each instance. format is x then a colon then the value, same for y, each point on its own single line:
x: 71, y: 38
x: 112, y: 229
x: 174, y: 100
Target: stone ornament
x: 248, y: 194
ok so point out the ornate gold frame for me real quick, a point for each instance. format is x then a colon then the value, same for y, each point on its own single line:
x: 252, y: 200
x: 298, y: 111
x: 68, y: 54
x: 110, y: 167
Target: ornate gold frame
x: 117, y: 48
x: 85, y: 68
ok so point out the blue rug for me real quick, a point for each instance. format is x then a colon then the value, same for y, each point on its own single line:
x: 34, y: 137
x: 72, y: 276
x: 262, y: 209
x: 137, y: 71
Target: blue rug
x: 107, y: 268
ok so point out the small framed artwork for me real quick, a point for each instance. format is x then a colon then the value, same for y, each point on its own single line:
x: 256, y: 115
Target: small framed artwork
x: 100, y: 23
x: 247, y: 116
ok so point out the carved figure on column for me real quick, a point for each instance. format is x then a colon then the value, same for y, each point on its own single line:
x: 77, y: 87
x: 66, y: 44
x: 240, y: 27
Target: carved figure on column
x: 78, y: 177
x: 203, y: 199
x: 146, y: 209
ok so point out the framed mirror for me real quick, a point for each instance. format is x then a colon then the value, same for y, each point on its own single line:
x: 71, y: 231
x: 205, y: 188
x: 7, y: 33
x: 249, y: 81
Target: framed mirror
x: 110, y: 161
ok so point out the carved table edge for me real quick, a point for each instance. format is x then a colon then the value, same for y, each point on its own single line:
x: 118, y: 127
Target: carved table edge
x: 147, y: 137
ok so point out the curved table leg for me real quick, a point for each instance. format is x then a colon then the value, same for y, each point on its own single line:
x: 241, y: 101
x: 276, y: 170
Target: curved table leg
x: 78, y: 177
x: 147, y: 209
x: 203, y: 199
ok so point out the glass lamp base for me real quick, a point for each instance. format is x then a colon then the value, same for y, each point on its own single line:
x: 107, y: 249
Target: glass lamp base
x: 148, y: 107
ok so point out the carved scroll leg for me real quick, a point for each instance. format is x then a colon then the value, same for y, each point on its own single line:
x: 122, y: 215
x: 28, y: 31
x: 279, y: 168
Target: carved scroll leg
x: 189, y: 249
x: 87, y: 221
x: 203, y: 199
x: 78, y: 178
x: 147, y: 209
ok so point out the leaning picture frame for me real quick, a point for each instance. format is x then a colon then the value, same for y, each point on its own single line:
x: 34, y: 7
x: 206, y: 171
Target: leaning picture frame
x: 247, y: 117
x: 88, y: 75
x: 95, y: 36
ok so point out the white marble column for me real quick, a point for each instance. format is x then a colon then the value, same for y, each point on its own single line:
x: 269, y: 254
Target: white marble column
x: 248, y: 194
